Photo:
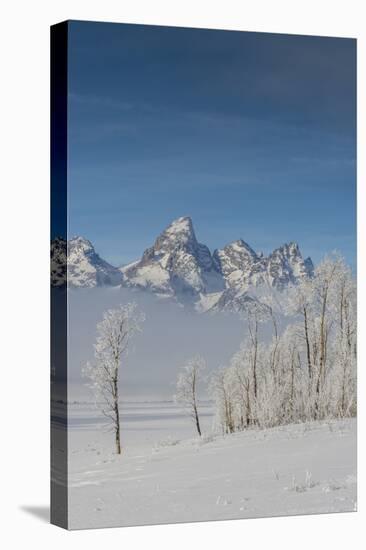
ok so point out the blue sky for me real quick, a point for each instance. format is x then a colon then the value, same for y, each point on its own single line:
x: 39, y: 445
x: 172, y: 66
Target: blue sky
x: 252, y: 135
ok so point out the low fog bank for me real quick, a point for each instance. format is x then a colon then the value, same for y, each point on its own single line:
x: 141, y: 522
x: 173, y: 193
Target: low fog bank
x: 170, y: 336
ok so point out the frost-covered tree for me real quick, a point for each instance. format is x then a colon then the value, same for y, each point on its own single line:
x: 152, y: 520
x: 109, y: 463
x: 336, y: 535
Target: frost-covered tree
x: 186, y: 393
x: 343, y: 343
x: 296, y: 367
x: 257, y: 314
x: 114, y: 335
x: 326, y: 305
x: 300, y: 301
x: 240, y: 374
x: 223, y: 393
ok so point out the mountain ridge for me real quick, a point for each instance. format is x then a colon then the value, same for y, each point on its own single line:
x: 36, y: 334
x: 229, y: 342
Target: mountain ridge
x: 177, y: 266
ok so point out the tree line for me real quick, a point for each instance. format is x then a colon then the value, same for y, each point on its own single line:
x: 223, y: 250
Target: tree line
x: 305, y: 370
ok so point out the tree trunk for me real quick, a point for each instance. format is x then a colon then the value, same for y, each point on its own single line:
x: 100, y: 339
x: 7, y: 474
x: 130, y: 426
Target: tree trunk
x: 195, y: 411
x: 343, y: 399
x: 292, y: 383
x: 310, y: 369
x: 255, y: 383
x: 197, y: 420
x: 248, y: 408
x: 118, y: 434
x: 322, y: 348
x: 116, y: 412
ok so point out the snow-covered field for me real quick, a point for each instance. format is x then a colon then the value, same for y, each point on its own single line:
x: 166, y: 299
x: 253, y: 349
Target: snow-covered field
x: 166, y: 474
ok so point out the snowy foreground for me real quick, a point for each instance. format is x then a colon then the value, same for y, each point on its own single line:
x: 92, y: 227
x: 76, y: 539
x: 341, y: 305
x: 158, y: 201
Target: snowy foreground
x: 165, y: 475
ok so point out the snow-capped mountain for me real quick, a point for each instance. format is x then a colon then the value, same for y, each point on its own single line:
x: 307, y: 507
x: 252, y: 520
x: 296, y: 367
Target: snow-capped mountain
x: 244, y: 271
x: 85, y: 268
x: 239, y: 265
x: 178, y: 267
x: 242, y: 268
x: 286, y: 266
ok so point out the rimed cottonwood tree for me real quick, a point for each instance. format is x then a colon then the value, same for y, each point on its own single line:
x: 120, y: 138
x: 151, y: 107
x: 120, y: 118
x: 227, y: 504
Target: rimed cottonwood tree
x: 187, y: 383
x: 114, y: 334
x: 306, y: 370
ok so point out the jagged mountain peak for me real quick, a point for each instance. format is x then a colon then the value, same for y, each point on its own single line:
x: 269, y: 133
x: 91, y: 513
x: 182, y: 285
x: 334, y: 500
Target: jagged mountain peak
x: 244, y: 270
x: 79, y: 247
x: 236, y: 262
x: 240, y: 246
x: 285, y: 265
x: 179, y: 267
x: 179, y: 232
x: 76, y: 263
x: 182, y: 225
x: 81, y: 243
x: 176, y: 265
x: 288, y: 249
